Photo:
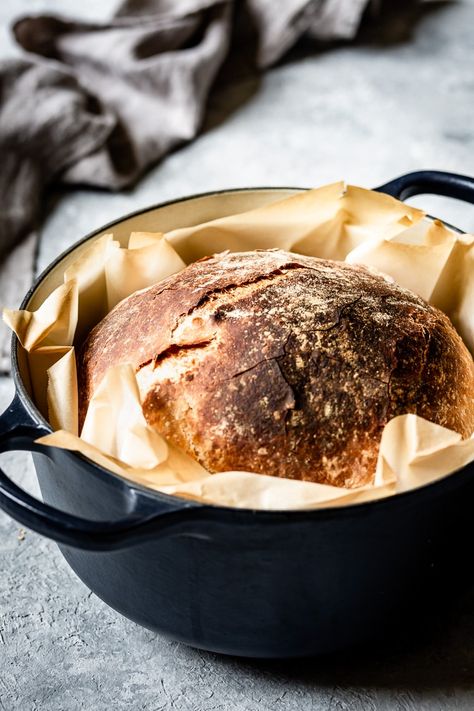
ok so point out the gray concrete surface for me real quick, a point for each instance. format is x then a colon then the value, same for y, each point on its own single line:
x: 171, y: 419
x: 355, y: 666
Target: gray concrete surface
x: 364, y: 113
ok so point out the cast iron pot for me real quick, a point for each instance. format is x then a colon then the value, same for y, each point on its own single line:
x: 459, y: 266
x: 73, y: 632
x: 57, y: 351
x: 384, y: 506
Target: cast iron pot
x: 243, y: 582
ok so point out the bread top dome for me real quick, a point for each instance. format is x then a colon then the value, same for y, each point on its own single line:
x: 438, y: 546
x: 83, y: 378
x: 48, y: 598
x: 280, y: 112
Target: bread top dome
x: 282, y: 364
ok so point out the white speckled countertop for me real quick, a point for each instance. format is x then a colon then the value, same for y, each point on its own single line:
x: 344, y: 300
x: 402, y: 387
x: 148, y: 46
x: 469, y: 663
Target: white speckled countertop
x: 365, y: 113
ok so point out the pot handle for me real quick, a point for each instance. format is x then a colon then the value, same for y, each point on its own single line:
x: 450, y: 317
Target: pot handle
x: 18, y: 431
x: 434, y: 182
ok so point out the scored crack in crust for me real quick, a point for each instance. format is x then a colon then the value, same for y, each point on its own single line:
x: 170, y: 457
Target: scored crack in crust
x: 283, y: 364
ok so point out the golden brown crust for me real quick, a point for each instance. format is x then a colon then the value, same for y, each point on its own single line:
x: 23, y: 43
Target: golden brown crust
x: 284, y: 364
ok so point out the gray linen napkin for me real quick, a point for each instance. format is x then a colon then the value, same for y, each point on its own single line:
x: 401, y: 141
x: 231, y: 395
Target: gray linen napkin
x: 99, y: 103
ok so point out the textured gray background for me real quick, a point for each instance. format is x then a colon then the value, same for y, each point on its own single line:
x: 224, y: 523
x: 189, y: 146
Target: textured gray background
x: 364, y: 113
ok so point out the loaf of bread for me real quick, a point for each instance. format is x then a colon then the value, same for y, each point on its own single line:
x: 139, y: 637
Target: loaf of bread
x: 282, y: 364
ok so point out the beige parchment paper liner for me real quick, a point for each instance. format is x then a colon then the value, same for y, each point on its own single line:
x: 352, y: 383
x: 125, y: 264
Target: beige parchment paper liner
x: 334, y: 222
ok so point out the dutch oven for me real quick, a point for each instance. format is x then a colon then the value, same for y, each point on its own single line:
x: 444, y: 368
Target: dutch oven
x: 239, y: 581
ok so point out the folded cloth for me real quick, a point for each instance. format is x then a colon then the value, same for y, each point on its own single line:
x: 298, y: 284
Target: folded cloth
x: 99, y: 103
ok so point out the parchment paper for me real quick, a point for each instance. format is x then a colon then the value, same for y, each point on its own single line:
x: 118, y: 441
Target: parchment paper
x: 334, y: 222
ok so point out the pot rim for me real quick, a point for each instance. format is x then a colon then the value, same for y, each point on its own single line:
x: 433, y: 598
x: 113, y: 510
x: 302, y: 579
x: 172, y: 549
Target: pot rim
x: 97, y: 470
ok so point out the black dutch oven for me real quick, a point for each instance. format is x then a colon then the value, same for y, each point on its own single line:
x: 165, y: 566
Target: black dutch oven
x: 238, y: 581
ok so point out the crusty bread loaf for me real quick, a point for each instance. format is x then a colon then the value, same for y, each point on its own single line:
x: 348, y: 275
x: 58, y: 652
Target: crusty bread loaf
x: 283, y: 364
